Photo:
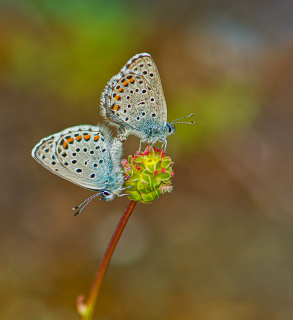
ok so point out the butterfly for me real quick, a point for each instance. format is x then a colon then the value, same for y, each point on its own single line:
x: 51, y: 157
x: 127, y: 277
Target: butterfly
x: 87, y: 156
x: 134, y: 101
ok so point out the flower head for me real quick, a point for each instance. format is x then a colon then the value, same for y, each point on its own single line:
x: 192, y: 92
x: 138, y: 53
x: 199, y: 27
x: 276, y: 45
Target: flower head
x: 148, y: 175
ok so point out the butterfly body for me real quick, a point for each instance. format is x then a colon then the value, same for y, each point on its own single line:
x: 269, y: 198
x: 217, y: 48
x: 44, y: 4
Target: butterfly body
x: 134, y: 101
x: 85, y: 155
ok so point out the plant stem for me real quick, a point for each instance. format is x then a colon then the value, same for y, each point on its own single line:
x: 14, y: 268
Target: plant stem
x: 86, y: 309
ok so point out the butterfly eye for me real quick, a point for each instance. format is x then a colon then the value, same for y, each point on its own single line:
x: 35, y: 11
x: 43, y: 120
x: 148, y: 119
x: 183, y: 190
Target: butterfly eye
x: 106, y: 193
x: 170, y: 128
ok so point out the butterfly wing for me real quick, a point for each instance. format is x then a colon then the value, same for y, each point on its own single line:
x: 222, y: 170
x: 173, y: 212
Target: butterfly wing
x: 79, y: 154
x: 134, y: 98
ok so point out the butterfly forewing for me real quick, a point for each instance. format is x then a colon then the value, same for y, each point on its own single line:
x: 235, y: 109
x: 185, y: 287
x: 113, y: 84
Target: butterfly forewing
x: 135, y: 105
x: 144, y: 65
x: 79, y: 154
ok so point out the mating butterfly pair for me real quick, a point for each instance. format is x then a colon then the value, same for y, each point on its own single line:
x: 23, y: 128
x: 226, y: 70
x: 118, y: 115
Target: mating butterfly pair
x: 134, y: 101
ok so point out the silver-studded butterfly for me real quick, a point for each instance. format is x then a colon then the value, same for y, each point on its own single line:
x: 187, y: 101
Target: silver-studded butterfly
x: 87, y: 156
x: 134, y: 101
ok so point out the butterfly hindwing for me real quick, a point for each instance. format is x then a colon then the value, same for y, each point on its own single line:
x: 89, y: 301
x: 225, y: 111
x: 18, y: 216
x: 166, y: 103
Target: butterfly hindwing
x: 80, y: 154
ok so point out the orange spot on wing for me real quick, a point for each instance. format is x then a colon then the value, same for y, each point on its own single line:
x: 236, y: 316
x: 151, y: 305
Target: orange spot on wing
x: 117, y: 98
x: 131, y: 80
x: 116, y: 107
x: 86, y: 137
x: 69, y: 140
x: 97, y: 137
x: 120, y: 90
x: 78, y: 138
x: 125, y: 83
x: 65, y: 145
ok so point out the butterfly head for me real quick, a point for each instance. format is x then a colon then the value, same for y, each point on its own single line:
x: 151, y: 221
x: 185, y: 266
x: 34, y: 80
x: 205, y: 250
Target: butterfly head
x: 114, y: 186
x: 155, y: 133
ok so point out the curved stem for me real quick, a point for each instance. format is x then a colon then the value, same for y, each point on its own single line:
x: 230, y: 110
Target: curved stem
x: 86, y: 309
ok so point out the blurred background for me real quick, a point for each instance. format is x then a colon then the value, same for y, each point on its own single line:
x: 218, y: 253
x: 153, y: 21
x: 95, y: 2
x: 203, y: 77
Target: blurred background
x: 220, y: 246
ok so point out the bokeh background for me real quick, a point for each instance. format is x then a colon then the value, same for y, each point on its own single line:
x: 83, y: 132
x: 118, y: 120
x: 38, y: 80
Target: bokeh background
x: 220, y: 246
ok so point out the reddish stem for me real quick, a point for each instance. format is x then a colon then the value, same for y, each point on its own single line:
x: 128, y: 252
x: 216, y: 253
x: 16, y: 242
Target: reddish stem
x: 86, y: 309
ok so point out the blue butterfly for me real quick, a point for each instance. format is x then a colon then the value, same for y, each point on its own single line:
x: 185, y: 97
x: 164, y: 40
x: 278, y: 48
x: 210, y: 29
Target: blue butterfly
x: 87, y: 156
x: 134, y: 101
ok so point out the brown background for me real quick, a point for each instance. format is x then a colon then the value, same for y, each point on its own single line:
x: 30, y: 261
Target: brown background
x: 220, y: 246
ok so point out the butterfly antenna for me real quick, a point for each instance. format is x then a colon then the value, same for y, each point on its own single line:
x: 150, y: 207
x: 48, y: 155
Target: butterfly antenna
x: 191, y: 122
x: 85, y: 203
x: 176, y: 121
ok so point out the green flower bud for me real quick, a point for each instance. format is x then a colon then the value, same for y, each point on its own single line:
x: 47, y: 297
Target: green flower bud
x: 148, y: 175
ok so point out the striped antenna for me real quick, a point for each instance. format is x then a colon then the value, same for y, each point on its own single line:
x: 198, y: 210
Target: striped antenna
x: 176, y: 121
x: 85, y: 203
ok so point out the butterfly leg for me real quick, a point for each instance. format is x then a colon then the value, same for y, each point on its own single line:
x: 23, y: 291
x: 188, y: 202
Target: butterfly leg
x: 124, y: 194
x: 121, y: 189
x: 139, y: 146
x: 122, y: 133
x: 164, y: 145
x: 141, y: 141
